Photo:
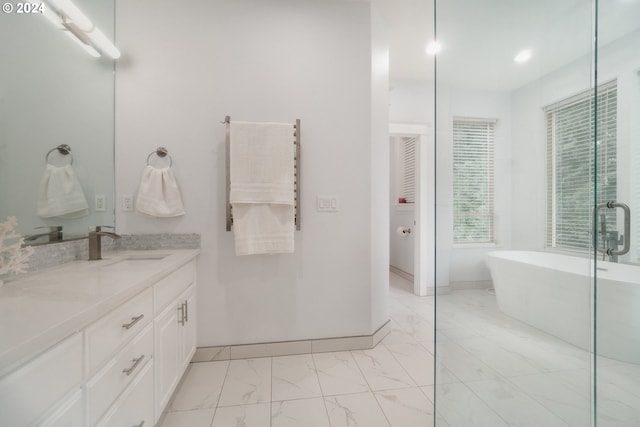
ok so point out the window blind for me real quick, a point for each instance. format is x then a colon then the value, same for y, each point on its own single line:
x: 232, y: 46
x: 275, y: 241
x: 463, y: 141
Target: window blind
x: 407, y: 182
x: 571, y: 165
x: 473, y: 179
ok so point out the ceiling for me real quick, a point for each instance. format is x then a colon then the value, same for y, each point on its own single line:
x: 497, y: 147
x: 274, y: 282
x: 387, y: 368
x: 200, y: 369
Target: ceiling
x: 481, y: 37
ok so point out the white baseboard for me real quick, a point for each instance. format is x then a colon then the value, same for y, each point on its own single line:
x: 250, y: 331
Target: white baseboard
x: 439, y: 290
x: 401, y: 273
x: 286, y: 348
x: 475, y: 284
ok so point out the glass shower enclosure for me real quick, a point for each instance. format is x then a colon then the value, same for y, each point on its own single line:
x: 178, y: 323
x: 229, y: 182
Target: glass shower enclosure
x: 537, y: 135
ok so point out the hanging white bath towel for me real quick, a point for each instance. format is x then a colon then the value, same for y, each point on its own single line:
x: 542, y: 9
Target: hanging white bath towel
x: 262, y: 187
x: 60, y: 194
x: 159, y: 194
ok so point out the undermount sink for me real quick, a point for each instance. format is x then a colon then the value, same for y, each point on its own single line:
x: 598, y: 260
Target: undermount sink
x: 136, y: 260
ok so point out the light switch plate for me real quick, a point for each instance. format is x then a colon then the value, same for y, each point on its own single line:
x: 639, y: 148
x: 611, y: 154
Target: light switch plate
x: 326, y: 203
x: 127, y: 203
x: 101, y: 203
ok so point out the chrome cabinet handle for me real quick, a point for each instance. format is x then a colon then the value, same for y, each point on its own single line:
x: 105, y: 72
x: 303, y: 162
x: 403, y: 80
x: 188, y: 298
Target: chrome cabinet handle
x: 186, y: 310
x: 136, y: 362
x: 139, y: 425
x: 134, y: 320
x: 181, y: 316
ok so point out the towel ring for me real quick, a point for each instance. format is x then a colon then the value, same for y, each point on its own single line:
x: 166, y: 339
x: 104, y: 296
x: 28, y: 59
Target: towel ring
x: 63, y: 149
x: 160, y: 152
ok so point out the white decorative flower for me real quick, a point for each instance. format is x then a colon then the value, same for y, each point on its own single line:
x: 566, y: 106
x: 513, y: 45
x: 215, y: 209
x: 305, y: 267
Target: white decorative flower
x: 13, y: 256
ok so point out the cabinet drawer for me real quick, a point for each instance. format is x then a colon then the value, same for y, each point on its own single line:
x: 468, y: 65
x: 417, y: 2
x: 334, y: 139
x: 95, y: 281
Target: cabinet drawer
x: 110, y: 381
x: 135, y: 406
x: 168, y: 289
x: 28, y: 392
x: 70, y: 413
x: 106, y: 336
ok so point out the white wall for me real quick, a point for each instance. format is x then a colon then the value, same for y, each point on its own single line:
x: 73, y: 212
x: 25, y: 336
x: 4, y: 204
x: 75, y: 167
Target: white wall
x: 379, y: 170
x: 521, y: 151
x: 184, y: 68
x: 616, y: 60
x: 530, y: 149
x: 411, y: 102
x: 52, y: 92
x: 467, y: 262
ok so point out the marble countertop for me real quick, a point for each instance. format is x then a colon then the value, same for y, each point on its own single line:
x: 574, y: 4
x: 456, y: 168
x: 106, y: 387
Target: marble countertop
x: 40, y: 309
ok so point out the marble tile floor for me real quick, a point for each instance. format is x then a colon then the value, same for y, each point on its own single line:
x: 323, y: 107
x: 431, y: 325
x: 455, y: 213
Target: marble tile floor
x: 386, y: 386
x: 492, y: 371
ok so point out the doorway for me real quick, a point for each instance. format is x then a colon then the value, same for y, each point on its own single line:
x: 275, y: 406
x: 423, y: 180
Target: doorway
x: 411, y: 216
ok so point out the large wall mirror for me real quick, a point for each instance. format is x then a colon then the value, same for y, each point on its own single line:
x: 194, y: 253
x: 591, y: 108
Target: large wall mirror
x: 53, y: 93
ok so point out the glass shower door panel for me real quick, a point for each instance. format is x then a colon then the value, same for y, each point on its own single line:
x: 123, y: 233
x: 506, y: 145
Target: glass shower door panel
x: 617, y: 320
x: 513, y: 205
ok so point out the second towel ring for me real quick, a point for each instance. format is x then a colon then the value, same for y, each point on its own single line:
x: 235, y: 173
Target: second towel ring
x: 63, y: 149
x: 160, y: 152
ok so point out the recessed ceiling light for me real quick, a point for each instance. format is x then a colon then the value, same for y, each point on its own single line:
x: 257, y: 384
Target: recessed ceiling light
x: 434, y: 48
x: 523, y: 56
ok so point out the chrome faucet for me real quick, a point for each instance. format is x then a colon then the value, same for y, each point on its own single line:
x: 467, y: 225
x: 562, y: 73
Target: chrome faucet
x: 95, y: 241
x: 54, y: 234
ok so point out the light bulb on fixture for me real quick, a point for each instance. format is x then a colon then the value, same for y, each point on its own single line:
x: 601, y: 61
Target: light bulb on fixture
x: 434, y: 48
x: 87, y: 47
x: 67, y: 17
x: 73, y: 14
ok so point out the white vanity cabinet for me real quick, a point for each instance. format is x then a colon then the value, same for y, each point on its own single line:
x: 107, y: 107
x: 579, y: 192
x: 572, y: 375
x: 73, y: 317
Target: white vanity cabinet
x: 114, y: 377
x: 115, y: 330
x: 174, y: 332
x: 70, y: 413
x: 117, y: 360
x: 188, y: 333
x: 29, y: 392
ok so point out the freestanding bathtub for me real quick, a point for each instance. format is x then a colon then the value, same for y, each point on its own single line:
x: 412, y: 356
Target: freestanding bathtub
x: 552, y: 292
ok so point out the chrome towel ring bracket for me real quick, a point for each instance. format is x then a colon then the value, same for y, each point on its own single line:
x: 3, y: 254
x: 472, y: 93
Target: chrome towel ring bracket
x: 160, y: 152
x: 63, y: 149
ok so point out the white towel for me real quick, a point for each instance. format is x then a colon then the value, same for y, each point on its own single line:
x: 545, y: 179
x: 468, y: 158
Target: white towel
x: 262, y: 228
x: 159, y: 194
x: 262, y: 187
x: 60, y: 194
x: 262, y: 163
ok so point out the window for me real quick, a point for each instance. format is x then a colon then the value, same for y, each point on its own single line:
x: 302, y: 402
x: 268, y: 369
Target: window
x: 473, y: 141
x: 570, y: 165
x: 406, y: 178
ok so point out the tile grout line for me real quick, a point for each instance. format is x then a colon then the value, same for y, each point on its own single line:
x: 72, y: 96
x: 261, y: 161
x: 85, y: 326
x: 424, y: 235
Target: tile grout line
x: 324, y: 401
x: 406, y: 371
x: 224, y: 381
x: 371, y: 390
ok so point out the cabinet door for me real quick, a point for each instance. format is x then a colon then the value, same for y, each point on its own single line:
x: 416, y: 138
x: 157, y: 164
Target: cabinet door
x: 31, y: 390
x: 188, y: 330
x: 167, y: 351
x: 70, y: 413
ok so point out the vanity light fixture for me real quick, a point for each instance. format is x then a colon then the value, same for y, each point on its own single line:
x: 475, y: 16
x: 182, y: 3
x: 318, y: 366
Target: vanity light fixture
x: 54, y: 18
x: 66, y: 16
x: 434, y: 47
x: 523, y: 56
